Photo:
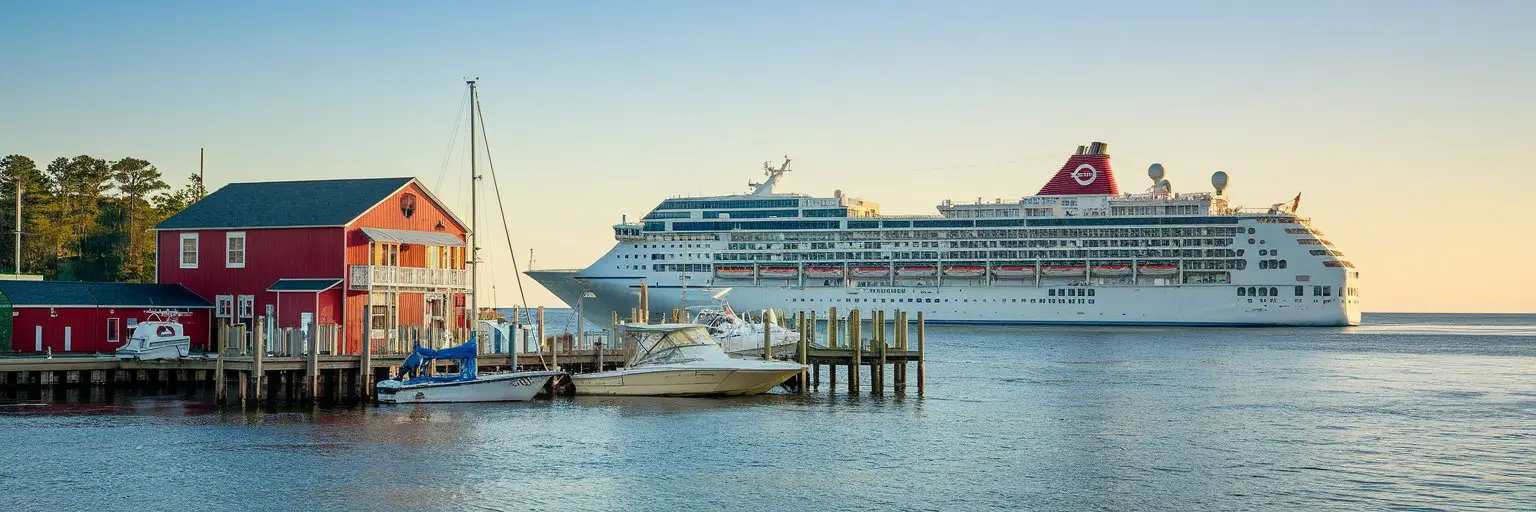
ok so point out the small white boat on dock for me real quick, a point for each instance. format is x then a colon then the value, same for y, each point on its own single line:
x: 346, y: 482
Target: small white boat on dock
x: 683, y: 360
x: 735, y: 333
x: 413, y: 385
x: 158, y: 337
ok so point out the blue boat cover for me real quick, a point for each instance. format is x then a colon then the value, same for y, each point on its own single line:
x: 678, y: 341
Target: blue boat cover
x: 413, y: 369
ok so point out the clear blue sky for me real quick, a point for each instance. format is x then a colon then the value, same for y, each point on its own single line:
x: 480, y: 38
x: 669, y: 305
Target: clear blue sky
x: 1400, y: 121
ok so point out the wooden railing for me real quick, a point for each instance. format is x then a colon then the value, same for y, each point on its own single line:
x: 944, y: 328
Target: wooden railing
x: 362, y: 276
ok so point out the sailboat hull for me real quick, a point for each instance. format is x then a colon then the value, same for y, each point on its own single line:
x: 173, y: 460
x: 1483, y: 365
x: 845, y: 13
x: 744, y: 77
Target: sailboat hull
x: 505, y: 387
x: 683, y: 382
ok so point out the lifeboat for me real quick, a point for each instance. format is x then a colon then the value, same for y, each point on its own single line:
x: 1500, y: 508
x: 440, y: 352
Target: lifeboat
x: 964, y: 271
x: 734, y: 272
x: 917, y: 271
x: 869, y: 271
x: 1111, y: 270
x: 1159, y: 270
x: 779, y: 272
x: 1013, y: 272
x: 1062, y: 270
x: 823, y: 272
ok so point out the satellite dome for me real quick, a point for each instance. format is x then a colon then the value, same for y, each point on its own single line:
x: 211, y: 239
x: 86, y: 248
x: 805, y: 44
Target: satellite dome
x: 1219, y: 181
x: 1165, y: 187
x: 1155, y: 172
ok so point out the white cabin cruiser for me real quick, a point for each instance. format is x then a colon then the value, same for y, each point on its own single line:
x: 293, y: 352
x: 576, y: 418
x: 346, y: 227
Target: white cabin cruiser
x: 736, y: 334
x: 683, y: 360
x: 414, y: 385
x: 159, y: 337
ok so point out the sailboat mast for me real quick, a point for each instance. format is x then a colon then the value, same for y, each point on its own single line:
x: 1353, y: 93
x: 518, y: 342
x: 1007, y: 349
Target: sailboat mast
x: 474, y: 210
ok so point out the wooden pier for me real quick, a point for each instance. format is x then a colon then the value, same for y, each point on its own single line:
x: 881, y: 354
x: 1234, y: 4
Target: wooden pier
x: 257, y: 376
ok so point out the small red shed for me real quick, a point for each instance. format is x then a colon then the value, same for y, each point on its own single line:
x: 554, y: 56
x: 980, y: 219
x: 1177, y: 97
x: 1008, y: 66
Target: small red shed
x: 68, y: 316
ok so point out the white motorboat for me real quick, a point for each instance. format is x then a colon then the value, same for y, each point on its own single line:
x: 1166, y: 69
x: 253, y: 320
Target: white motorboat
x: 158, y: 337
x: 735, y: 333
x: 683, y: 360
x: 414, y: 386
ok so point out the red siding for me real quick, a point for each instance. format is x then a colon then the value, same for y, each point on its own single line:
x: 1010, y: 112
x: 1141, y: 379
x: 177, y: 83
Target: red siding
x: 388, y: 215
x: 270, y: 254
x: 88, y: 328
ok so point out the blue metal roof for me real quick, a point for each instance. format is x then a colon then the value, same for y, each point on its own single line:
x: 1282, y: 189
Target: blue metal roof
x: 90, y: 294
x: 279, y: 204
x: 303, y: 285
x: 406, y: 236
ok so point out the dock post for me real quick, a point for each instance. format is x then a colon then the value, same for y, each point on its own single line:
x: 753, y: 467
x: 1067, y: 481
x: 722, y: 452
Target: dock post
x: 242, y: 390
x: 258, y: 375
x: 804, y: 349
x: 832, y: 328
x: 767, y: 320
x: 312, y: 371
x: 921, y: 338
x: 901, y: 346
x: 857, y: 346
x: 539, y: 323
x: 810, y: 333
x: 881, y: 372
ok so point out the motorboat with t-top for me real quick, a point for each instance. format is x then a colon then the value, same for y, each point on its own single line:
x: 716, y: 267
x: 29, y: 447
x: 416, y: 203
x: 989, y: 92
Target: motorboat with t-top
x: 416, y: 384
x: 158, y: 337
x: 683, y: 360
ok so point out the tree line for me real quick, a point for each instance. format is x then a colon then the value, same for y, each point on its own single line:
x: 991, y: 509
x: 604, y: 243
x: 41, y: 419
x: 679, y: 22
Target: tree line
x: 85, y: 218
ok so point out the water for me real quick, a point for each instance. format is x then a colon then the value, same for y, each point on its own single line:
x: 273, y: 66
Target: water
x: 1408, y: 411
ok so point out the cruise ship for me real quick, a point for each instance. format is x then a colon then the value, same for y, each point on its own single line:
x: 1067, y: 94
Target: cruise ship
x: 1078, y: 252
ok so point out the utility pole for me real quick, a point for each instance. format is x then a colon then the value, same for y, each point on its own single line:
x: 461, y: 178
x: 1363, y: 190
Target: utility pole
x: 202, y: 181
x: 18, y: 228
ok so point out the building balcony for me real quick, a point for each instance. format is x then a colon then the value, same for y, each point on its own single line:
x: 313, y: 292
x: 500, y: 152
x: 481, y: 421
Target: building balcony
x: 380, y: 276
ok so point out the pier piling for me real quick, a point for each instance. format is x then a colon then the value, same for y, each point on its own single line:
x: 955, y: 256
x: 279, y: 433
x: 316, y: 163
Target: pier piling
x: 857, y: 346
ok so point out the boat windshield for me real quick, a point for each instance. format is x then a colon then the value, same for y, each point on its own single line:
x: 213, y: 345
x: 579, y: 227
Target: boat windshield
x: 678, y: 346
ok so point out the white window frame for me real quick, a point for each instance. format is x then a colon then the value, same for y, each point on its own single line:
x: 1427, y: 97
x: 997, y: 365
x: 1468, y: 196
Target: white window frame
x: 224, y: 306
x: 244, y: 249
x: 247, y: 306
x: 181, y: 250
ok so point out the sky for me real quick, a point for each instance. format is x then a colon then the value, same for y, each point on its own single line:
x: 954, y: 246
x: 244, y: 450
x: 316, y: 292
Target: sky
x: 1406, y: 125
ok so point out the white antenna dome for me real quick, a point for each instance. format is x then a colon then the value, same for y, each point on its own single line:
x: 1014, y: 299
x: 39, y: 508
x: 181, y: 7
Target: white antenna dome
x: 1219, y: 181
x: 1155, y: 172
x: 1164, y: 186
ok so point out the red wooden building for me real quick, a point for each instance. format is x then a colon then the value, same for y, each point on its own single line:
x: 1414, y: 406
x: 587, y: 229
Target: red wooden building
x: 69, y: 316
x: 381, y: 252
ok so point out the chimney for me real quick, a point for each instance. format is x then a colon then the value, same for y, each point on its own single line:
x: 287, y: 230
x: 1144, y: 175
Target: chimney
x: 1082, y: 149
x: 1097, y: 148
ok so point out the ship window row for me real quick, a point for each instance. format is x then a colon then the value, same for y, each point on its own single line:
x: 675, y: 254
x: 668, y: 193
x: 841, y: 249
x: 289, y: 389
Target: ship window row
x: 1271, y: 264
x: 1070, y: 292
x: 1326, y: 252
x: 967, y: 234
x: 955, y: 223
x: 1338, y: 264
x: 666, y: 215
x: 681, y: 267
x: 932, y: 300
x: 982, y: 255
x: 687, y: 204
x: 1300, y: 290
x: 1262, y: 291
x: 1182, y: 209
x: 751, y: 214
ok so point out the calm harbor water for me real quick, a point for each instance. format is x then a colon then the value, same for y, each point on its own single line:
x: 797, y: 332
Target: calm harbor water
x: 1407, y: 411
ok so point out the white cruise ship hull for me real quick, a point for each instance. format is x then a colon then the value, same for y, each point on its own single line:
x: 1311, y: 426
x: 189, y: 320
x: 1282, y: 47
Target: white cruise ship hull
x: 1180, y: 305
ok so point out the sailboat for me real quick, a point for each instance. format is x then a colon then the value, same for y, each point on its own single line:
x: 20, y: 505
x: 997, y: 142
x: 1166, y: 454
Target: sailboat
x: 413, y: 384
